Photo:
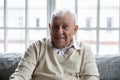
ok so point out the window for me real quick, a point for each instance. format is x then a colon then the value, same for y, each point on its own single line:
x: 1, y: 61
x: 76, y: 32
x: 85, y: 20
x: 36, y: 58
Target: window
x: 109, y: 22
x: 70, y: 4
x: 109, y: 27
x: 1, y: 25
x: 37, y: 19
x: 15, y: 25
x: 21, y: 22
x: 98, y: 21
x: 88, y: 22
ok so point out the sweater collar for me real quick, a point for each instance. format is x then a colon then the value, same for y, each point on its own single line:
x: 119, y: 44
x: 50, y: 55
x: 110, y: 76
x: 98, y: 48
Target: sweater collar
x: 73, y: 44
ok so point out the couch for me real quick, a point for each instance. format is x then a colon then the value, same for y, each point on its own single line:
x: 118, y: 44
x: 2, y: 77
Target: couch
x: 108, y: 66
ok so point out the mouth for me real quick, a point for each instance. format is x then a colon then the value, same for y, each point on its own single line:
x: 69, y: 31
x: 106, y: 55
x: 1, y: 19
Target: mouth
x: 60, y: 37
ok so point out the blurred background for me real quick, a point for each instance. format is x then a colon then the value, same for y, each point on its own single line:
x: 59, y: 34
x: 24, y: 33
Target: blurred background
x: 25, y: 21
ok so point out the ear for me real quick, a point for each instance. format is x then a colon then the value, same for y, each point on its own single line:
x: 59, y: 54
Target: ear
x: 50, y: 26
x: 75, y: 28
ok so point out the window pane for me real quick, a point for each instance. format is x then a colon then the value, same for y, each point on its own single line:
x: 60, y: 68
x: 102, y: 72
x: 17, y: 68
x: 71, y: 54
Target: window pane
x: 1, y: 48
x: 1, y: 19
x: 16, y: 3
x: 1, y: 41
x: 87, y: 3
x: 16, y: 48
x: 1, y: 35
x: 16, y: 35
x: 109, y: 3
x: 37, y: 3
x: 16, y: 13
x: 37, y: 18
x: 1, y: 3
x: 37, y: 13
x: 70, y: 4
x: 36, y: 35
x: 109, y: 42
x: 109, y: 14
x: 16, y: 41
x: 89, y: 36
x: 1, y: 25
x: 1, y: 13
x: 87, y: 13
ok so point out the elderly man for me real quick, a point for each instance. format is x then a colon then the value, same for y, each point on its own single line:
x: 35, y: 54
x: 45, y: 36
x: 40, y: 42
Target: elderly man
x: 59, y: 57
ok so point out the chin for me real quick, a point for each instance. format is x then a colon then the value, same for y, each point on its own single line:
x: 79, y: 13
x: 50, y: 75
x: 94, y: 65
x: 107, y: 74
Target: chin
x: 61, y: 46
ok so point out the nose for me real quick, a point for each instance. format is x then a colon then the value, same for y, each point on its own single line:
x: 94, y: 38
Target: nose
x: 60, y: 30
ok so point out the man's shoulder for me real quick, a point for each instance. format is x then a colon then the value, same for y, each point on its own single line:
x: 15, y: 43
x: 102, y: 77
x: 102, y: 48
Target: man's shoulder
x: 82, y: 44
x: 40, y: 42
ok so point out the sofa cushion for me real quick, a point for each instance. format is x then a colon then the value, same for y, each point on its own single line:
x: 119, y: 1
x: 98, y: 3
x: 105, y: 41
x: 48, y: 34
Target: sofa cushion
x: 8, y: 63
x: 109, y: 67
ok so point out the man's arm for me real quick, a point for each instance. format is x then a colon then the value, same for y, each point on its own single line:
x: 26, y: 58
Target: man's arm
x: 27, y: 65
x: 90, y: 70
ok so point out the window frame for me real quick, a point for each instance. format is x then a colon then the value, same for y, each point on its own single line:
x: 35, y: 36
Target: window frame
x: 50, y: 7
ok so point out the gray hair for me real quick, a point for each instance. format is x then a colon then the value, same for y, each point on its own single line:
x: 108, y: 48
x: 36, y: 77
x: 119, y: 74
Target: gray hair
x: 61, y: 12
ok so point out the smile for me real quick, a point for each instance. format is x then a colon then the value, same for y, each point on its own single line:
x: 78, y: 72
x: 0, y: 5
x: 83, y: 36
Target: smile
x: 59, y: 37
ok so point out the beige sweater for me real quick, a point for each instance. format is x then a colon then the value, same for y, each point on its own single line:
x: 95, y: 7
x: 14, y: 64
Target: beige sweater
x: 41, y: 62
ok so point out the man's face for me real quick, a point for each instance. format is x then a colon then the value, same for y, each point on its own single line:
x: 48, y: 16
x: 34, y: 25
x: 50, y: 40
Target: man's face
x: 62, y: 31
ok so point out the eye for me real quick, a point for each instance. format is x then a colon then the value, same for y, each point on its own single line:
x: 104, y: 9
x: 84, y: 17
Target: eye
x: 55, y: 26
x: 65, y: 26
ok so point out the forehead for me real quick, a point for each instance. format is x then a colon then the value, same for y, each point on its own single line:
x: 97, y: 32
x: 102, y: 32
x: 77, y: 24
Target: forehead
x: 65, y: 18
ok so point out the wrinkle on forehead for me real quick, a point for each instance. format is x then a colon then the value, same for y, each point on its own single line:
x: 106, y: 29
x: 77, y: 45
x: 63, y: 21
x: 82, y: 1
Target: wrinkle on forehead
x: 64, y: 19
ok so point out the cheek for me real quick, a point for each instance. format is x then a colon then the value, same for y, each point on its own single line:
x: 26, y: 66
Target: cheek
x: 52, y: 33
x: 69, y: 36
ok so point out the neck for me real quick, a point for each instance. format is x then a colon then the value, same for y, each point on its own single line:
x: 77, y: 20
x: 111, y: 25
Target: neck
x: 53, y: 44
